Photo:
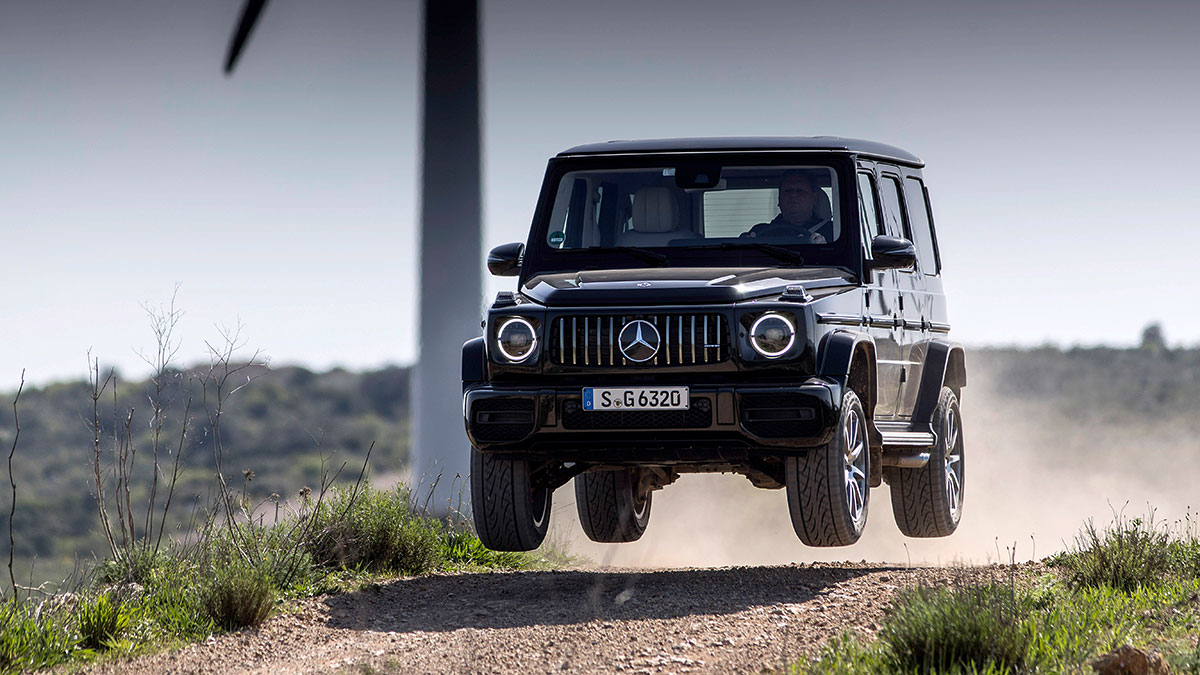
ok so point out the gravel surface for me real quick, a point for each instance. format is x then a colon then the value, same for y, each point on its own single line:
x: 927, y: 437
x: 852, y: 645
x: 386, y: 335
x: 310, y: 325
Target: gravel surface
x: 727, y: 620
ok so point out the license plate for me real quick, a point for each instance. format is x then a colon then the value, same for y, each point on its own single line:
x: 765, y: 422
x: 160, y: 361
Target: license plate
x: 635, y: 398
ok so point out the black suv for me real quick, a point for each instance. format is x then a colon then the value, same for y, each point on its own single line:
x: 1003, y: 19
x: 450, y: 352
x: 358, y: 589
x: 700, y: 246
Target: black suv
x: 766, y: 306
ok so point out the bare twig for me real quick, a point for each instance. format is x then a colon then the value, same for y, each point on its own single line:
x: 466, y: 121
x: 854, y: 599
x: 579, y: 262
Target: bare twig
x: 183, y: 430
x: 217, y: 382
x: 162, y: 322
x: 12, y: 512
x: 98, y: 388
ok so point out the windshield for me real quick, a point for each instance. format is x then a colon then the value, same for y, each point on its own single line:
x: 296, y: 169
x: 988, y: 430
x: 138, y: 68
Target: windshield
x: 713, y: 206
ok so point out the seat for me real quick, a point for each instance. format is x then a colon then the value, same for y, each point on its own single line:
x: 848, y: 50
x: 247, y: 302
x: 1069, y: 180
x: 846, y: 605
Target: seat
x: 655, y: 219
x: 823, y: 210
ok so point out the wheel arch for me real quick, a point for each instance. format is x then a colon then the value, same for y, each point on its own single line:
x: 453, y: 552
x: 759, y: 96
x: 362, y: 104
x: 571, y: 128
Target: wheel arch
x: 849, y: 359
x: 945, y: 365
x: 474, y: 362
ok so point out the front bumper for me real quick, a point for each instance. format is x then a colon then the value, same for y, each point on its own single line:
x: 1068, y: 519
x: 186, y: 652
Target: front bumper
x: 722, y: 422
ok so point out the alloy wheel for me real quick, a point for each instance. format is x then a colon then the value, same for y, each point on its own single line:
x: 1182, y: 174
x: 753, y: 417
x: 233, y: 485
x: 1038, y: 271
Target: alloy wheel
x: 854, y: 442
x: 954, y: 464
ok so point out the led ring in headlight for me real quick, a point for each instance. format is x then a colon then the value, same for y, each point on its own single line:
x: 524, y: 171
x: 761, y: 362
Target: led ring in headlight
x: 516, y: 339
x: 772, y: 335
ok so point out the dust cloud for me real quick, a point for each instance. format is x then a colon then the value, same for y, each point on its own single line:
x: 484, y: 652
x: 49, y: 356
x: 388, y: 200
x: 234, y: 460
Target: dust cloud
x: 1033, y: 477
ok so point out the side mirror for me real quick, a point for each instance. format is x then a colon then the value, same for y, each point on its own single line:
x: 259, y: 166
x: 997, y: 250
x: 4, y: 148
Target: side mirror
x: 505, y: 260
x: 892, y: 253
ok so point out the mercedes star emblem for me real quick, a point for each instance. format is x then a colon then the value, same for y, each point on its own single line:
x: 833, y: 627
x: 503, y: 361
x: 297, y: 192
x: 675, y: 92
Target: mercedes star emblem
x: 639, y: 341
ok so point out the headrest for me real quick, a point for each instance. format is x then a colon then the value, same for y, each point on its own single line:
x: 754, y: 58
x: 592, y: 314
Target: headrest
x: 821, y: 207
x: 655, y: 210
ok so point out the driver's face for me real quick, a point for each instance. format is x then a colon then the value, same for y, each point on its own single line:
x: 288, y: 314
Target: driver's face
x: 796, y: 199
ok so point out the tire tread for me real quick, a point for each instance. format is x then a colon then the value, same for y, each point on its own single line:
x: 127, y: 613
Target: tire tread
x: 920, y: 505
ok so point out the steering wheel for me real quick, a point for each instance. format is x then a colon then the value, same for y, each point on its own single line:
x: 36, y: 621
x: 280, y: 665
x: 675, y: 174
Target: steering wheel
x: 783, y: 230
x: 787, y: 230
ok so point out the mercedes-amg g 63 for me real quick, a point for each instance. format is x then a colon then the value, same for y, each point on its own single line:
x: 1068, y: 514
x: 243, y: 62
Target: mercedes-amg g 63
x: 771, y: 307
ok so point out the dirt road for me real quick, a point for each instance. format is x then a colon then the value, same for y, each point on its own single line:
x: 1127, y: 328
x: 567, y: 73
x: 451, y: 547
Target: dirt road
x: 728, y: 620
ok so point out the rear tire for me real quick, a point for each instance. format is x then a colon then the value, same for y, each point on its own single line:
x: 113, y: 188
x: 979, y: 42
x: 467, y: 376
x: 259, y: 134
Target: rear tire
x: 510, y: 513
x: 611, y: 510
x: 828, y: 489
x: 927, y: 502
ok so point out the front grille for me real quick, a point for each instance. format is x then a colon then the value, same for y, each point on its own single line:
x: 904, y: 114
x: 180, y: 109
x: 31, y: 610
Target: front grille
x: 779, y: 415
x: 502, y: 419
x: 698, y: 416
x: 685, y: 339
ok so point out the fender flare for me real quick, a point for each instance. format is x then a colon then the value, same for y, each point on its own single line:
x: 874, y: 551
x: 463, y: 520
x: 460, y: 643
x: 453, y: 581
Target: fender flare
x: 838, y: 350
x: 474, y: 362
x: 945, y: 365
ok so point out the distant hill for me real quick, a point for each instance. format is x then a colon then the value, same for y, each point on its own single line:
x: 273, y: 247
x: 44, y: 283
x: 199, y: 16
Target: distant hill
x: 280, y: 426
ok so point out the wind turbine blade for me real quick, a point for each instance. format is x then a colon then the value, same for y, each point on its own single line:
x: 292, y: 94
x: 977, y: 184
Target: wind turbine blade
x: 249, y: 17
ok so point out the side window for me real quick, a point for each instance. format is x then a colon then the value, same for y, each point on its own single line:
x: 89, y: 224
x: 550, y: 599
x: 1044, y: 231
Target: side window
x: 893, y: 213
x: 922, y: 226
x: 868, y: 217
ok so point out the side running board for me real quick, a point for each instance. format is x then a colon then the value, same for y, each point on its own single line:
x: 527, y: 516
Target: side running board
x: 906, y: 449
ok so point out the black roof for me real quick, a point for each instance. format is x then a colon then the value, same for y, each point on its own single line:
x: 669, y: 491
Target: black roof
x: 748, y: 143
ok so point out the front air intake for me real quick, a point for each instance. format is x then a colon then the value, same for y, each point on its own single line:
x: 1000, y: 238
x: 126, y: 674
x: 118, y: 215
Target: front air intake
x: 497, y: 420
x: 779, y: 415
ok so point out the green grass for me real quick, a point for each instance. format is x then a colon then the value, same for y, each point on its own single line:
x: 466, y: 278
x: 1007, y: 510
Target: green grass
x: 464, y: 549
x: 1130, y: 554
x: 1045, y: 628
x: 1134, y: 582
x: 977, y: 628
x: 103, y: 619
x: 30, y: 639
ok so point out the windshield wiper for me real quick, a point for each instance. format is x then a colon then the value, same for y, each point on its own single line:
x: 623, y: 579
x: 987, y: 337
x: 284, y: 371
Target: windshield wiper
x: 780, y: 253
x: 657, y: 259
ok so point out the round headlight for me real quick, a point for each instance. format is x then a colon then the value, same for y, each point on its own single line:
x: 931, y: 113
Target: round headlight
x: 772, y: 335
x: 516, y: 339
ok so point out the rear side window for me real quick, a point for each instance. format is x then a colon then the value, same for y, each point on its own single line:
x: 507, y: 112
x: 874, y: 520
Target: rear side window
x: 893, y: 213
x: 868, y: 217
x: 922, y: 225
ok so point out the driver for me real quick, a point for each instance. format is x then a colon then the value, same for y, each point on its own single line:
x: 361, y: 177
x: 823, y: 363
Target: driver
x: 797, y: 213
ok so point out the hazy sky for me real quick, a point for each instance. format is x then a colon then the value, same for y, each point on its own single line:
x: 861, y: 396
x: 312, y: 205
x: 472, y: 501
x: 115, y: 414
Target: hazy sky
x: 1058, y: 142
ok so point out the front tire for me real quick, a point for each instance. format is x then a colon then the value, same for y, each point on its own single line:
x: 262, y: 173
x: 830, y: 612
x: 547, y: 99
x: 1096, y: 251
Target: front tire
x: 927, y: 502
x: 828, y: 489
x: 612, y: 505
x: 510, y: 512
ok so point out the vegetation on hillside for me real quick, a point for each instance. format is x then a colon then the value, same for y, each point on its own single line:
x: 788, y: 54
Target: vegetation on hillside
x: 287, y: 428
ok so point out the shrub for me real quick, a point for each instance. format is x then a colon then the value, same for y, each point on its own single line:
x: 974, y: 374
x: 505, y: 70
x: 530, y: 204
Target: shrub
x: 137, y: 566
x: 237, y: 595
x: 377, y: 531
x: 1126, y: 555
x: 102, y: 619
x: 274, y: 550
x: 972, y: 628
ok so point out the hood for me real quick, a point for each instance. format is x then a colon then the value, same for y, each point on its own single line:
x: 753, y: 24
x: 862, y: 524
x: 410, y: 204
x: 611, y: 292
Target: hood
x: 682, y: 285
